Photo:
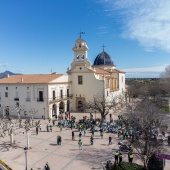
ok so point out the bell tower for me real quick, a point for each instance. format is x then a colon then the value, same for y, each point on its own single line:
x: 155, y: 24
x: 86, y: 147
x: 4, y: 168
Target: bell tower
x: 80, y: 53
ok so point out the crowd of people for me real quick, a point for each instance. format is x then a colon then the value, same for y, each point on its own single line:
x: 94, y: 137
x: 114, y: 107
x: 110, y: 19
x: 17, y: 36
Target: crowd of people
x: 80, y: 127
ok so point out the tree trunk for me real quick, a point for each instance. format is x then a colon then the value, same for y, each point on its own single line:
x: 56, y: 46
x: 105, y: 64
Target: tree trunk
x: 28, y: 142
x: 11, y: 139
x: 103, y: 118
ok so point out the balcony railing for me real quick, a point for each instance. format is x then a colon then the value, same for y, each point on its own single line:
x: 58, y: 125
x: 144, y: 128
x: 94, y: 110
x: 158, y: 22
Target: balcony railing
x: 16, y: 99
x: 61, y: 98
x: 40, y: 100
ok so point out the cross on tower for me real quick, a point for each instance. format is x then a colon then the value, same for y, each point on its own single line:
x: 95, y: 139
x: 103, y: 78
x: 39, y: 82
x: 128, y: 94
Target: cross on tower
x: 81, y: 33
x: 103, y: 46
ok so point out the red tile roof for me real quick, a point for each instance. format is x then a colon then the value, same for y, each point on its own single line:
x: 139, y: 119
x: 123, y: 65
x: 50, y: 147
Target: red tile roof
x: 34, y: 78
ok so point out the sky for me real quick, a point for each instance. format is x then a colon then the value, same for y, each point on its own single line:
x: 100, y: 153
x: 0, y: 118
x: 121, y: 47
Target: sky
x: 37, y: 36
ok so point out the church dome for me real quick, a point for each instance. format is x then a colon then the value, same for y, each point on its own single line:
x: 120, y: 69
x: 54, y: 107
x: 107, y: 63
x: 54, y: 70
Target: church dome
x: 103, y: 59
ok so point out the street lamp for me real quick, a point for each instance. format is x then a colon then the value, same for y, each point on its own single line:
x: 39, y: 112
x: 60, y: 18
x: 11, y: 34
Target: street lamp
x: 25, y: 149
x: 44, y: 113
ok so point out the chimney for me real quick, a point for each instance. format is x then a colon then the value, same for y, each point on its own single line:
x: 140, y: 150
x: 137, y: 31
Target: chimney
x: 22, y: 79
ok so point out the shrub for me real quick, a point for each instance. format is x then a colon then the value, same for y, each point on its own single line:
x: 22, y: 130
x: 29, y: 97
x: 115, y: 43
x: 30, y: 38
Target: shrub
x: 131, y: 166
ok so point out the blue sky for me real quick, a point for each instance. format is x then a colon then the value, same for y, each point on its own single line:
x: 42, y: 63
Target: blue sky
x: 37, y: 36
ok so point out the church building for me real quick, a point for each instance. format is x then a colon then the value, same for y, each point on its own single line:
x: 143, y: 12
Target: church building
x: 50, y: 94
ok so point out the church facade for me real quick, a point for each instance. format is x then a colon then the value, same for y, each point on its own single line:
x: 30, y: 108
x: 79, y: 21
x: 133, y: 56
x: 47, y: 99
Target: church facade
x: 50, y: 94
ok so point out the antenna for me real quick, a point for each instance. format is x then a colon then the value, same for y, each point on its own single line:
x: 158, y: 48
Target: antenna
x: 81, y: 33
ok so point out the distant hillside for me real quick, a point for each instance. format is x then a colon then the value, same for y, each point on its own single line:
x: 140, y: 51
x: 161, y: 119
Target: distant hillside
x: 6, y: 73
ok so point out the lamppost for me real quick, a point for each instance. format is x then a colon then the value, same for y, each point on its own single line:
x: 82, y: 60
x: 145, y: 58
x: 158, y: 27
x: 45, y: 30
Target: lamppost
x: 44, y: 113
x: 25, y: 149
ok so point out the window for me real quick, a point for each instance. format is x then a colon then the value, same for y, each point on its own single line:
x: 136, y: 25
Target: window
x: 40, y: 96
x: 61, y: 94
x: 67, y: 92
x: 80, y: 79
x: 6, y: 94
x: 53, y: 94
x: 79, y: 45
x: 107, y: 93
x: 15, y: 87
x: 27, y: 88
x: 6, y: 88
x: 28, y: 97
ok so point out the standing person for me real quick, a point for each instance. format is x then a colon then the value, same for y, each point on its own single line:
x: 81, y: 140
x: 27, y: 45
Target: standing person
x: 130, y: 156
x: 116, y: 157
x: 53, y: 122
x: 84, y: 131
x: 40, y: 126
x: 101, y: 133
x: 92, y: 131
x: 47, y: 167
x: 80, y: 135
x: 80, y: 144
x: 73, y: 135
x: 37, y: 130
x: 59, y: 140
x: 61, y: 127
x: 91, y: 139
x: 127, y: 134
x: 51, y: 128
x: 120, y: 157
x: 110, y: 140
x: 49, y: 119
x: 47, y: 128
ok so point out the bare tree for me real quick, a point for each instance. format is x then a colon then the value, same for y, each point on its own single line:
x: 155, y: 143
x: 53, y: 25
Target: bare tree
x: 102, y: 104
x: 165, y: 80
x: 145, y: 120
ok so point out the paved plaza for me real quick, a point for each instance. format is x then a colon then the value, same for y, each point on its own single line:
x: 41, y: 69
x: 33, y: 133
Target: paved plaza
x: 66, y: 156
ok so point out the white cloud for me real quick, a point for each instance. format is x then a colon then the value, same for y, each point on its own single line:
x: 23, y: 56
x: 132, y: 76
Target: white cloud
x: 147, y: 21
x: 102, y: 30
x: 4, y: 64
x: 146, y: 69
x: 145, y: 72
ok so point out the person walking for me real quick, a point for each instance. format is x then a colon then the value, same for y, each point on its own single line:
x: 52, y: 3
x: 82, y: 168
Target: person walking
x: 80, y: 144
x: 120, y: 157
x: 47, y: 167
x: 116, y: 157
x: 130, y: 156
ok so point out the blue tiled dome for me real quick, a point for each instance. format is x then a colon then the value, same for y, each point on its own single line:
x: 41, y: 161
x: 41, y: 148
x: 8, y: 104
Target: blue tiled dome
x: 103, y: 59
